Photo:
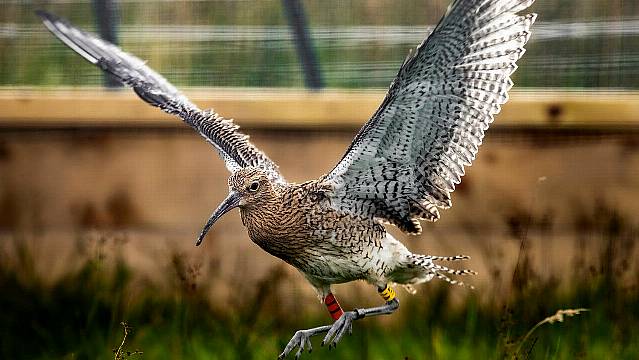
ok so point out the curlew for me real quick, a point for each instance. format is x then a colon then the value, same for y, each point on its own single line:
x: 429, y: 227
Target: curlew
x: 401, y: 167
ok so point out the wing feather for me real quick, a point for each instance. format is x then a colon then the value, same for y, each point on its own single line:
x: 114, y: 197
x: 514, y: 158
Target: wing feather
x: 408, y: 158
x: 233, y: 147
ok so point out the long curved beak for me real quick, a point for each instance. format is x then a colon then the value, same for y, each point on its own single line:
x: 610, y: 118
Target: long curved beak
x: 231, y: 202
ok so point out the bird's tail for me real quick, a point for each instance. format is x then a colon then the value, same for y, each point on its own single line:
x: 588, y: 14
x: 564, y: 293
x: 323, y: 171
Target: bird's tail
x: 422, y: 268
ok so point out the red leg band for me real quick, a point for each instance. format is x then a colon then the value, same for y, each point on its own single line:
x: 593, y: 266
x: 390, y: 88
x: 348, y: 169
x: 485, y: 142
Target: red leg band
x: 333, y: 306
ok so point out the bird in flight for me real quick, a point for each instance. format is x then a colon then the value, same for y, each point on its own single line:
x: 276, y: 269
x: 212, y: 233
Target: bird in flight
x: 401, y: 167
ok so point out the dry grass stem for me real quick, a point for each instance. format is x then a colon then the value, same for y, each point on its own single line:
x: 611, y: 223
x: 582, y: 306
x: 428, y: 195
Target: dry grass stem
x: 120, y: 352
x: 559, y: 316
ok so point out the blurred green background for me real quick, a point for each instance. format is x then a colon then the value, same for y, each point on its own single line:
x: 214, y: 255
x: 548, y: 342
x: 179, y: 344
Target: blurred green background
x: 360, y: 44
x: 97, y: 222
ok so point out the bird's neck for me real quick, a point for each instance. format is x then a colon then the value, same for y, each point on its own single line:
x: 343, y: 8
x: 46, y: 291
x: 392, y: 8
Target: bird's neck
x: 261, y: 220
x: 275, y: 225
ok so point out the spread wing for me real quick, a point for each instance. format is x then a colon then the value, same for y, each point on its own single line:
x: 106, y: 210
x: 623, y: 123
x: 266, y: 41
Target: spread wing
x: 234, y: 147
x: 406, y: 160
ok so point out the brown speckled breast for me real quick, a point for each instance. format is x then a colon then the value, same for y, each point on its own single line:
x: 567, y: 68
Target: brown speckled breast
x: 299, y: 227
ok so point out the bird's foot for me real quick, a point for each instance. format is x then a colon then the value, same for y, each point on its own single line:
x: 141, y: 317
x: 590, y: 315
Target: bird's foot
x: 302, y: 340
x: 340, y: 327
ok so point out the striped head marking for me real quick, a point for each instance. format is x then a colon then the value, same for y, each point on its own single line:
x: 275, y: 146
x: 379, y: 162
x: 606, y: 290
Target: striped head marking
x: 252, y: 185
x: 248, y: 188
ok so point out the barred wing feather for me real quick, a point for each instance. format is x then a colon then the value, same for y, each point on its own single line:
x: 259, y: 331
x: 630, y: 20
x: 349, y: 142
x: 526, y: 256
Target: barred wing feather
x: 406, y: 160
x: 233, y: 146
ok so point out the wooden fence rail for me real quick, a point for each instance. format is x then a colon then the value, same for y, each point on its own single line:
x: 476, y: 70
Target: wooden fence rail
x: 288, y: 108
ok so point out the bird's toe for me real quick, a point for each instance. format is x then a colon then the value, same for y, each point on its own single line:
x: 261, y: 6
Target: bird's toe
x: 343, y: 325
x: 301, y: 340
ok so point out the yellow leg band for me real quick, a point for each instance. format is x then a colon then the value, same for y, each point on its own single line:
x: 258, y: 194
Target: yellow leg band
x: 388, y: 293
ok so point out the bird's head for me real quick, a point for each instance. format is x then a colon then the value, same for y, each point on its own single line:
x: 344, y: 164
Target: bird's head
x: 248, y: 187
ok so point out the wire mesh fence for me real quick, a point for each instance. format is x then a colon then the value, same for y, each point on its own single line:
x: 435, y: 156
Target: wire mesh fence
x: 359, y: 44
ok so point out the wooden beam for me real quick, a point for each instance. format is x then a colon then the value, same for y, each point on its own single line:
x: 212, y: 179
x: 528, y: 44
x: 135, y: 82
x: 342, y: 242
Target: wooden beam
x: 278, y: 108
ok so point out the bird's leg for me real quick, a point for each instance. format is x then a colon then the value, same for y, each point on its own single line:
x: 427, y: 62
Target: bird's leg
x: 345, y: 322
x: 333, y: 306
x: 302, y: 338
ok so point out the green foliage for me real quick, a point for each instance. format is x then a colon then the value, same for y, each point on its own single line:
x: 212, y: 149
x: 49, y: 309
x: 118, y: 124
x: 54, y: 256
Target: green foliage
x: 80, y: 315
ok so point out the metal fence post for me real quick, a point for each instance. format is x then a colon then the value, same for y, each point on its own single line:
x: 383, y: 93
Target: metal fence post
x: 297, y: 21
x: 106, y: 17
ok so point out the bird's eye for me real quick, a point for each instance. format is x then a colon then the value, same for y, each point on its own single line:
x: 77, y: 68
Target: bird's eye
x: 254, y: 186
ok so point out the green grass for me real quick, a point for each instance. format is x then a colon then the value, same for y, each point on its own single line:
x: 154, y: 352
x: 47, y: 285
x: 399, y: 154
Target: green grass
x: 79, y: 317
